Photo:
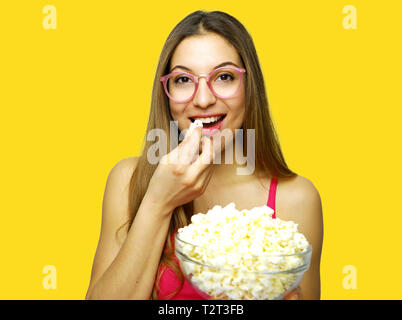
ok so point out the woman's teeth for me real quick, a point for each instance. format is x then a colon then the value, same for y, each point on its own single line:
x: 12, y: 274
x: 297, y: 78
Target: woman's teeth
x: 209, y: 120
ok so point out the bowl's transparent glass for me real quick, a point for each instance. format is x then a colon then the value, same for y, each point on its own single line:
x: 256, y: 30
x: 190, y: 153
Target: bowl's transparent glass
x: 217, y: 275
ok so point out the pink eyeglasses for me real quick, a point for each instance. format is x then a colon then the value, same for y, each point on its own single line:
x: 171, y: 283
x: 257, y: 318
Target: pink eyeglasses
x: 224, y: 82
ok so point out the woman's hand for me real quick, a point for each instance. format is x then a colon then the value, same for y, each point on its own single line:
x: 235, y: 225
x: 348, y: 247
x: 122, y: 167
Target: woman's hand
x: 295, y: 294
x: 181, y: 176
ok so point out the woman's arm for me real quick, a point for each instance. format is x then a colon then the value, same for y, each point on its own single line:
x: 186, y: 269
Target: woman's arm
x: 126, y: 269
x: 311, y: 225
x: 302, y: 205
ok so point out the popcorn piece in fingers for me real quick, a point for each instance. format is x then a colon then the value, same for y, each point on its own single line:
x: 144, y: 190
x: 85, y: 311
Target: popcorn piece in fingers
x: 193, y: 125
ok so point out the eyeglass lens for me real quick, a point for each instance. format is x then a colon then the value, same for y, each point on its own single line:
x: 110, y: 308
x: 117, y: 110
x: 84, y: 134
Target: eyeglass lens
x: 224, y: 82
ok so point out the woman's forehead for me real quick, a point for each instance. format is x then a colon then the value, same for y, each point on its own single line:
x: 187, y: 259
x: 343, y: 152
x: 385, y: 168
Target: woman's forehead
x: 201, y: 53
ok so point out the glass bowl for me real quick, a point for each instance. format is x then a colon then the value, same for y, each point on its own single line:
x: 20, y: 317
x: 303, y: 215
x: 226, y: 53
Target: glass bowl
x: 216, y: 274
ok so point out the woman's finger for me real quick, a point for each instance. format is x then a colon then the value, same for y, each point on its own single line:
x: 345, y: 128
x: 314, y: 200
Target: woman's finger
x: 203, y: 179
x: 186, y: 151
x: 190, y: 146
x: 295, y: 294
x: 206, y: 157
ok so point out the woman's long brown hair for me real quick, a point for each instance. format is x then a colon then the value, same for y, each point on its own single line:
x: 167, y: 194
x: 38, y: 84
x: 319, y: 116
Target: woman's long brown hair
x: 268, y: 154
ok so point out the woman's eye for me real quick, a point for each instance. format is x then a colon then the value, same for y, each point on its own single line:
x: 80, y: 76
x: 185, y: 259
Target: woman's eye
x: 182, y: 80
x: 225, y: 77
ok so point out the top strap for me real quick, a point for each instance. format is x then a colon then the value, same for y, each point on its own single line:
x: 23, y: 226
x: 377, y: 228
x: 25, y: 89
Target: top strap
x: 272, y: 195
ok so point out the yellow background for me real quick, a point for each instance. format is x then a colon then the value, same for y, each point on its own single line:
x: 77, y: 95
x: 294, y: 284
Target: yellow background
x: 75, y: 100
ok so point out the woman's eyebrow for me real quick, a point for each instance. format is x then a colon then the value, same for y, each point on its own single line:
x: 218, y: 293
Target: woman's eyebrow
x: 218, y: 66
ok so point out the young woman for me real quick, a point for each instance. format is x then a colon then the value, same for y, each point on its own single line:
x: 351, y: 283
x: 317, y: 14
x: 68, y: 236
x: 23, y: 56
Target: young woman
x: 208, y: 68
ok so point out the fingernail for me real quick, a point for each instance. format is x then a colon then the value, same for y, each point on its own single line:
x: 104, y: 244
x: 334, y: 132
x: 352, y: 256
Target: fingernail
x: 295, y: 297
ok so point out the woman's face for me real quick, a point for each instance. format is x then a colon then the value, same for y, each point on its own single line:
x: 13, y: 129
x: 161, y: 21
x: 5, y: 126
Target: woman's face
x: 201, y: 54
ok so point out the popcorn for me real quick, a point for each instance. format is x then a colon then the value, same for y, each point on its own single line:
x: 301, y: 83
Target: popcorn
x: 242, y: 254
x: 193, y: 125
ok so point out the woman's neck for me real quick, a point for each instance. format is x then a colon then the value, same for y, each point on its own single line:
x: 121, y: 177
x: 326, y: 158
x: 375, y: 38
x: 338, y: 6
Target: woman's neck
x: 232, y: 164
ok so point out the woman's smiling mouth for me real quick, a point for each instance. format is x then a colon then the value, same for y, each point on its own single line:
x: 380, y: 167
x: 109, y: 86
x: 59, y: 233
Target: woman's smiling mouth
x: 210, y: 121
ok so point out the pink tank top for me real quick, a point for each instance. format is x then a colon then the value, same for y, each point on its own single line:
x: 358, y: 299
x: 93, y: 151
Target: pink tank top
x: 169, y: 282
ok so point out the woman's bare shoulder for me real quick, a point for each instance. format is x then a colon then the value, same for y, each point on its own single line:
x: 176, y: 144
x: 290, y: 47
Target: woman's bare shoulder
x: 298, y: 199
x: 116, y: 196
x: 297, y: 188
x: 119, y: 178
x: 127, y: 163
x: 125, y: 167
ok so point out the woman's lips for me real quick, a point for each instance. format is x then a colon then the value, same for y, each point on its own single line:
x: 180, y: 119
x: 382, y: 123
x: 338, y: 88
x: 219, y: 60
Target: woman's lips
x: 212, y: 130
x: 209, y: 129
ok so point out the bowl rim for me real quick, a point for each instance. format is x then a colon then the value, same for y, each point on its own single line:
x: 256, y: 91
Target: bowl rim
x: 304, y: 267
x: 305, y: 252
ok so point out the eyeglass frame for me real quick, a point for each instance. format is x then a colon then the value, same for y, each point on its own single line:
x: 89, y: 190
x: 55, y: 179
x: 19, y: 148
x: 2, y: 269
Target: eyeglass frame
x: 196, y: 79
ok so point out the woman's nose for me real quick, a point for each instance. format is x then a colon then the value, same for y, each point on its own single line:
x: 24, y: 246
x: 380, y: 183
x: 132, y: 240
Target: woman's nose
x: 203, y: 97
